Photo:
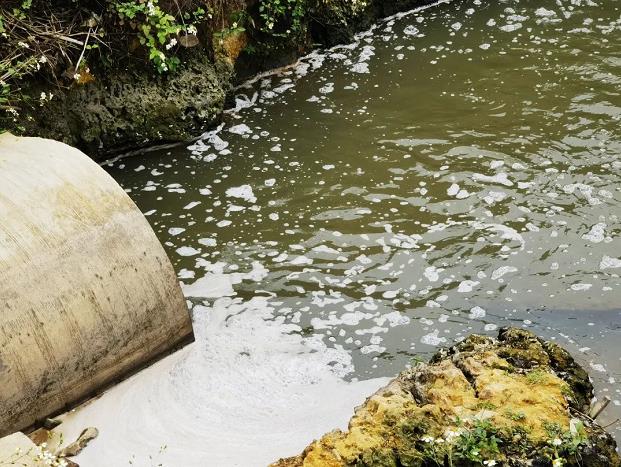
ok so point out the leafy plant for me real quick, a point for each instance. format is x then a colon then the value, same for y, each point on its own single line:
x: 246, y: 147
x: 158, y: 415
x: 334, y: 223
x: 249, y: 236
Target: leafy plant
x: 237, y: 25
x: 565, y: 444
x: 479, y: 443
x: 158, y: 30
x: 282, y: 17
x: 536, y: 377
x: 515, y: 416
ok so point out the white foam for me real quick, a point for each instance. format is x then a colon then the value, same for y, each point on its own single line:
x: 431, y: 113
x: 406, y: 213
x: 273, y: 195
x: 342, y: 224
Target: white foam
x: 243, y: 192
x: 433, y: 339
x: 501, y: 177
x: 248, y: 391
x: 431, y: 273
x: 597, y: 233
x: 501, y: 271
x: 191, y: 205
x: 609, y: 262
x: 477, y: 312
x: 543, y: 13
x: 467, y: 286
x: 207, y: 241
x: 187, y: 251
x: 241, y: 129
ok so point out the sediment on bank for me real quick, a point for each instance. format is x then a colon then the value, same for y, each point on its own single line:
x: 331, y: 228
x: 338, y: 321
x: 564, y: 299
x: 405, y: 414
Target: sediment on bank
x: 109, y: 77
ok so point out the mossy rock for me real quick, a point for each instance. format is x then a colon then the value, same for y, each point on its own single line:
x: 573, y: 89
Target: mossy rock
x: 517, y: 400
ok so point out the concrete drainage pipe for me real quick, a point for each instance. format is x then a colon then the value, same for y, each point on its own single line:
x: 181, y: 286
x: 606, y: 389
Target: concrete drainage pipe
x: 87, y: 293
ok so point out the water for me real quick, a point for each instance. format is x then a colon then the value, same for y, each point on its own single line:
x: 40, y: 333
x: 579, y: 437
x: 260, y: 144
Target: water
x: 454, y: 170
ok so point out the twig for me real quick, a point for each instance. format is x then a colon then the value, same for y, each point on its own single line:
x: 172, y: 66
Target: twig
x: 65, y: 38
x: 77, y: 66
x: 610, y: 424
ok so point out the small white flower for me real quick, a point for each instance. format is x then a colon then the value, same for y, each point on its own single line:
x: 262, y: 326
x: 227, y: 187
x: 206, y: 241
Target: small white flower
x: 171, y: 44
x: 77, y: 76
x: 489, y: 463
x: 150, y: 8
x: 43, y: 59
x: 556, y: 442
x: 192, y: 30
x: 428, y: 439
x: 450, y: 434
x: 23, y: 45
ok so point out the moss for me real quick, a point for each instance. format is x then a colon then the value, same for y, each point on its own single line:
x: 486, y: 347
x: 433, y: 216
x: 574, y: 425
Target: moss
x: 128, y: 110
x: 480, y: 403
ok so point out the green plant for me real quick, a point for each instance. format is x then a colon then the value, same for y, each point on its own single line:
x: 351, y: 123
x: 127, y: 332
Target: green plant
x: 479, y: 443
x: 158, y: 30
x: 22, y: 10
x: 282, y: 17
x: 565, y: 444
x: 35, y: 42
x: 536, y: 377
x: 237, y: 23
x: 515, y: 416
x: 486, y: 405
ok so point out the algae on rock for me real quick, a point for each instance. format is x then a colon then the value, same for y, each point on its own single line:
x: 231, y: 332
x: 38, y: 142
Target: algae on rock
x: 515, y: 400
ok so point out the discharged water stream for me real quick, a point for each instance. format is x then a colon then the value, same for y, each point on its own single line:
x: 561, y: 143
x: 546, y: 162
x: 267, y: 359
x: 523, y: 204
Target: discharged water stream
x: 454, y: 170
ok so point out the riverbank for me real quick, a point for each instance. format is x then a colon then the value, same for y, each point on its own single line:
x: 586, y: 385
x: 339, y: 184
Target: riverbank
x: 117, y: 87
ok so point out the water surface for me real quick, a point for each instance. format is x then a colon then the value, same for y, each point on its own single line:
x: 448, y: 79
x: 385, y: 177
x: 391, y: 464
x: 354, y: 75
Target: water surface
x: 454, y: 170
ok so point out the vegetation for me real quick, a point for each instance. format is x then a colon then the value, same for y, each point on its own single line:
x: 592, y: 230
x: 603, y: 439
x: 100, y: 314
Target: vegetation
x: 282, y: 17
x: 479, y: 444
x: 65, y: 43
x: 158, y: 30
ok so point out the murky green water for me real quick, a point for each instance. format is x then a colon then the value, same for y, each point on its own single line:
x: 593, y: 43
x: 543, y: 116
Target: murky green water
x: 454, y: 170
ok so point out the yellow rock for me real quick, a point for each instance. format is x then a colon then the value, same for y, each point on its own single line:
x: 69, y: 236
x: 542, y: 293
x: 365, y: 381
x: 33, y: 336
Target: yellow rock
x: 511, y: 395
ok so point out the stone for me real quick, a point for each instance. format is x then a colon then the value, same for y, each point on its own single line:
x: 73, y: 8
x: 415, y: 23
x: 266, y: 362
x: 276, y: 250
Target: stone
x: 76, y: 447
x: 18, y: 449
x: 516, y: 400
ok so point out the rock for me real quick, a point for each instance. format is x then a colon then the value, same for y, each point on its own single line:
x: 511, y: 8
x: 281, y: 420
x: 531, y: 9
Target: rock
x: 13, y: 448
x: 126, y: 110
x: 18, y: 449
x: 76, y: 447
x: 515, y: 400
